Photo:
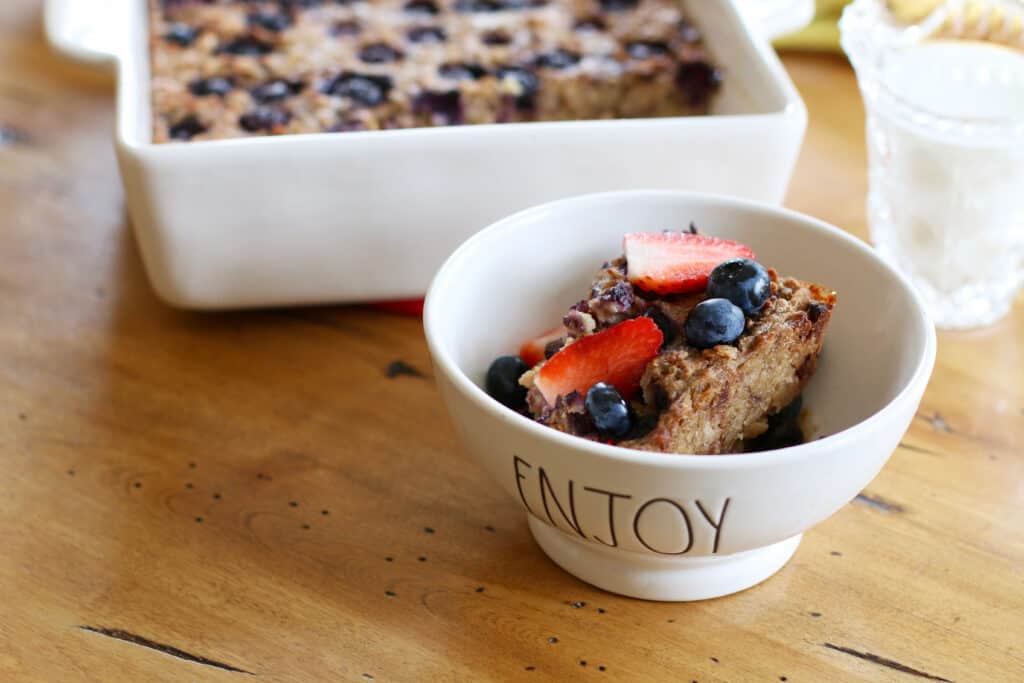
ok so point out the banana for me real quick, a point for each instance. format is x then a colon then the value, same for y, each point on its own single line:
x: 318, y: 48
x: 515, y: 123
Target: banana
x: 829, y: 8
x: 911, y: 11
x: 821, y: 34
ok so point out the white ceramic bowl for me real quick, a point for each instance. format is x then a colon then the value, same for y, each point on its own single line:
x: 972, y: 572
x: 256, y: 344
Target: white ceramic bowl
x: 371, y: 215
x: 675, y: 527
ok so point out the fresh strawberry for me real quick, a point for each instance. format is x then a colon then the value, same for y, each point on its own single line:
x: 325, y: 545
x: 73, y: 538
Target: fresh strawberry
x: 533, y: 351
x: 617, y: 356
x: 412, y: 307
x: 676, y: 262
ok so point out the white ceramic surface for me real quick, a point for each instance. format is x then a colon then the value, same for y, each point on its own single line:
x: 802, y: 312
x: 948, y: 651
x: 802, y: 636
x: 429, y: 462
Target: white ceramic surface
x: 89, y: 31
x: 371, y: 215
x: 675, y: 527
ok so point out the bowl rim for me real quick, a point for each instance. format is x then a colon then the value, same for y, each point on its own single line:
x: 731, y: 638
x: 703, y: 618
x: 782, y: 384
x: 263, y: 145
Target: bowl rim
x: 444, y: 362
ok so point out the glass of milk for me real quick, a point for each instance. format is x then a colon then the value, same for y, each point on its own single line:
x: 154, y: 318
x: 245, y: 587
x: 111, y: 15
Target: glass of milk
x: 945, y: 135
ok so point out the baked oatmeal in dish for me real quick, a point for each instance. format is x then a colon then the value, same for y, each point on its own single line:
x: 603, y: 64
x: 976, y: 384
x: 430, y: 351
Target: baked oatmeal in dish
x: 685, y: 344
x: 233, y: 68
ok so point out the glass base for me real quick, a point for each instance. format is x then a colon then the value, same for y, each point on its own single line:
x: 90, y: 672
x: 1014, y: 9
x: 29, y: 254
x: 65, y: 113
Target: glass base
x: 970, y: 306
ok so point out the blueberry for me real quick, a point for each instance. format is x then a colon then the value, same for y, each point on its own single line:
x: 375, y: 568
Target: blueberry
x: 783, y: 430
x: 521, y: 4
x: 182, y: 34
x: 367, y: 90
x: 263, y: 118
x: 186, y: 128
x: 742, y: 281
x: 246, y: 45
x: 270, y: 21
x: 477, y: 6
x: 557, y: 59
x: 664, y: 323
x: 608, y: 410
x: 216, y: 85
x: 496, y: 38
x: 645, y: 49
x: 528, y: 83
x: 461, y: 72
x: 379, y: 53
x: 446, y: 107
x: 345, y: 28
x: 815, y: 310
x: 618, y: 5
x: 713, y: 322
x: 642, y: 426
x: 423, y: 7
x: 273, y: 91
x: 426, y: 34
x: 503, y: 382
x: 698, y: 80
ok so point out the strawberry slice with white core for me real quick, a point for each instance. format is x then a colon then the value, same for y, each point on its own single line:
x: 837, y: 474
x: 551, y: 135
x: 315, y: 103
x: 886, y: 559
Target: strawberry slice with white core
x: 534, y: 351
x: 618, y: 356
x: 676, y: 262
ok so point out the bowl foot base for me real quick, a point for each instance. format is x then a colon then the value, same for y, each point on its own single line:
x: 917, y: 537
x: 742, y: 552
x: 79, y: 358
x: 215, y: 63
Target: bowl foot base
x: 661, y: 577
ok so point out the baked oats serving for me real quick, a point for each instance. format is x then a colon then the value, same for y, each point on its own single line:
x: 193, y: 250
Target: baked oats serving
x: 232, y: 68
x: 685, y: 344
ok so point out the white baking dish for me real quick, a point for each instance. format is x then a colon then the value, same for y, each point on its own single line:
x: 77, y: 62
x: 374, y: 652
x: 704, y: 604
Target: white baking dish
x: 371, y: 215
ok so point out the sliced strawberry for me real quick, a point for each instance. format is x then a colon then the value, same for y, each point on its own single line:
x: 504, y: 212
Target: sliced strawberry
x: 412, y: 307
x: 676, y: 262
x: 617, y: 355
x: 533, y: 351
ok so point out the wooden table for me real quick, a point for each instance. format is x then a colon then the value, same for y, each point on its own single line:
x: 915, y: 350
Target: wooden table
x: 204, y: 497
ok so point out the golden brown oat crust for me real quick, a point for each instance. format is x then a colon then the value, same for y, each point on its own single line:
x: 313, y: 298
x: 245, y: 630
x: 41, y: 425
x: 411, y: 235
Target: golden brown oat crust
x: 610, y: 80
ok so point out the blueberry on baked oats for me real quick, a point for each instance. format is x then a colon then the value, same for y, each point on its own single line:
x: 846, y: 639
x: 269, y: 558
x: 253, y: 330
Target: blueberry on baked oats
x: 264, y: 119
x: 246, y: 46
x: 557, y: 59
x: 364, y: 89
x: 742, y: 281
x: 495, y: 38
x: 276, y: 90
x: 379, y: 53
x: 478, y: 6
x: 503, y: 381
x: 461, y: 72
x: 421, y: 7
x: 271, y: 21
x: 698, y: 81
x: 425, y: 35
x: 186, y: 128
x: 215, y: 85
x: 645, y: 49
x: 608, y: 410
x: 714, y: 322
x: 445, y: 108
x: 181, y: 34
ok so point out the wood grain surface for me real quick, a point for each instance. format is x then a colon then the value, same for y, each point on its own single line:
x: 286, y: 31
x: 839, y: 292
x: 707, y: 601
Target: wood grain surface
x: 189, y: 497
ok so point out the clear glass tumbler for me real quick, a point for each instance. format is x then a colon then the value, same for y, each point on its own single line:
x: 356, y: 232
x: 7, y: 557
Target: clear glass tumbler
x: 945, y: 133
